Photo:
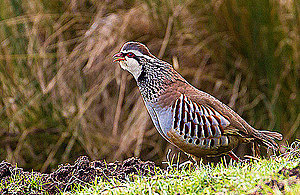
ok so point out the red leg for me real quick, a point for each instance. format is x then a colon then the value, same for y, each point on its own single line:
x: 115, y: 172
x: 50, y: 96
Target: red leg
x: 234, y: 157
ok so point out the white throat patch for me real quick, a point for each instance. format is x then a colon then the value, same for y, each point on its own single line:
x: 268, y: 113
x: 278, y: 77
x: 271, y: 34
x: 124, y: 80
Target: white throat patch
x: 123, y: 65
x: 132, y: 66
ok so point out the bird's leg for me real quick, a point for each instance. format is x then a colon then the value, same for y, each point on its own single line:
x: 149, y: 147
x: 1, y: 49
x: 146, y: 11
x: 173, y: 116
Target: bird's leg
x: 198, y: 160
x: 195, y: 160
x: 234, y: 156
x: 255, y: 149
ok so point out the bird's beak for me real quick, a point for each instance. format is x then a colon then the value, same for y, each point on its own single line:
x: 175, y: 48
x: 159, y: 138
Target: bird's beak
x: 118, y: 57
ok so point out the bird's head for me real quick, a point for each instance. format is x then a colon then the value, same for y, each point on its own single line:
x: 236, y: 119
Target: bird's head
x: 131, y: 56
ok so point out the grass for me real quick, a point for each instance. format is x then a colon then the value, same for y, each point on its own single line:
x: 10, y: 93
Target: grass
x: 61, y: 96
x: 253, y: 177
x: 221, y: 178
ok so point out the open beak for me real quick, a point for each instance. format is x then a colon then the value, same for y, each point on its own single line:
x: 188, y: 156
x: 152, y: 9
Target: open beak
x: 118, y: 57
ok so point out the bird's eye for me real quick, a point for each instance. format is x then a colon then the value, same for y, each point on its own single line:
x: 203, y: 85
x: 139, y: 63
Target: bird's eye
x: 130, y: 55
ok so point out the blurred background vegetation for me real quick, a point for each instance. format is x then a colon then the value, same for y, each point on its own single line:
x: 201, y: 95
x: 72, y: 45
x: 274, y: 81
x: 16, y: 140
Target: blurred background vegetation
x: 62, y: 97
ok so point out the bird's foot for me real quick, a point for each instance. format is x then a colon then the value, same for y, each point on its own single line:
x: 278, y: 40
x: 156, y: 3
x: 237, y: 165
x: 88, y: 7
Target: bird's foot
x: 251, y: 158
x: 234, y: 157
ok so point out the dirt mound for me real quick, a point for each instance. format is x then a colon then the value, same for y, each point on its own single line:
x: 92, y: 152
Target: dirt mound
x: 82, y: 172
x: 293, y: 178
x: 291, y: 172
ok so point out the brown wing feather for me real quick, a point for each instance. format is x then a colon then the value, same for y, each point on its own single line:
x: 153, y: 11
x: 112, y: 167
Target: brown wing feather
x: 237, y: 124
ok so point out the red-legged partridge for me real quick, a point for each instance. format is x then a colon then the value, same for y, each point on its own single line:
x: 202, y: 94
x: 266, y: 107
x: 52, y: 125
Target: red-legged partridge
x: 194, y: 121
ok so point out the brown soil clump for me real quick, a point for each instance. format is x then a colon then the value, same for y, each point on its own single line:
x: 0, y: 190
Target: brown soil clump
x: 82, y: 172
x: 293, y: 178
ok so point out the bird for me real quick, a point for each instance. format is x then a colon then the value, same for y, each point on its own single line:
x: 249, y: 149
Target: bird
x: 194, y: 121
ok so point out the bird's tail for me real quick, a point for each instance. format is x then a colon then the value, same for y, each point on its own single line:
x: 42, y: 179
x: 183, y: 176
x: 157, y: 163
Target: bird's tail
x: 267, y: 138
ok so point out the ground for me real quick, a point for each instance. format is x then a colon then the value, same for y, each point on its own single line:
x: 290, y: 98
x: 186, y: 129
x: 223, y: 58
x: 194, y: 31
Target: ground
x: 279, y: 174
